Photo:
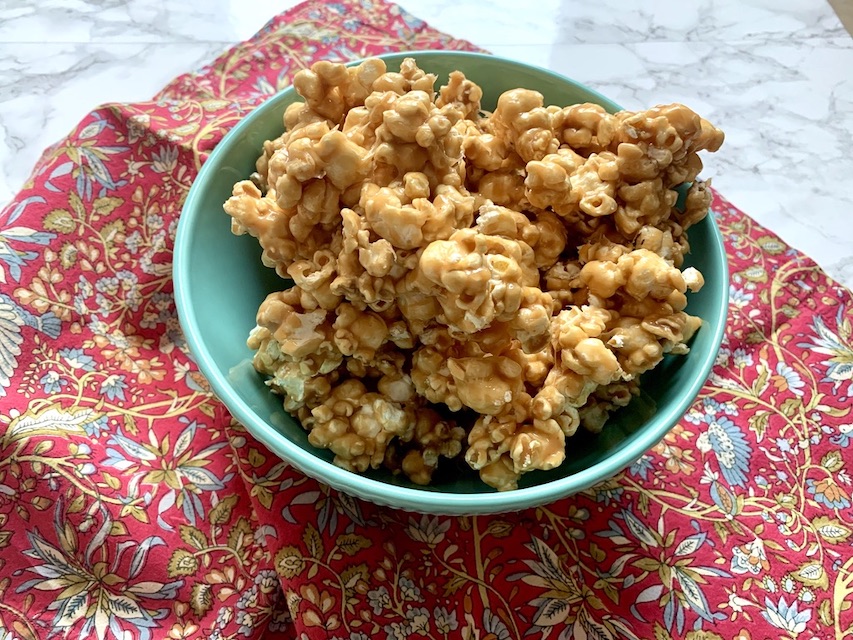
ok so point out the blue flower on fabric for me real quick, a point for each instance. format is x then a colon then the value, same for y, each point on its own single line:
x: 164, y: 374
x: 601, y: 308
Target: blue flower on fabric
x: 77, y: 359
x: 96, y: 427
x: 641, y: 468
x: 739, y: 297
x: 844, y: 435
x: 839, y: 362
x: 749, y: 558
x: 13, y: 318
x: 784, y: 617
x: 445, y: 621
x: 790, y: 378
x: 379, y: 599
x: 52, y: 382
x: 783, y: 444
x: 113, y: 387
x: 729, y: 444
x: 742, y: 358
x: 608, y: 492
x: 828, y: 493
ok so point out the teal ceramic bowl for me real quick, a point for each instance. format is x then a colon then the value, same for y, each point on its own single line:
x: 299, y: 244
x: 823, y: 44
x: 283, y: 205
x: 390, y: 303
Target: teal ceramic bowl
x: 220, y: 282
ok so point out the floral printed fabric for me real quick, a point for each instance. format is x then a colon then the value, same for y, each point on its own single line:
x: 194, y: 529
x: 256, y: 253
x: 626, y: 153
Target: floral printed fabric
x: 132, y: 506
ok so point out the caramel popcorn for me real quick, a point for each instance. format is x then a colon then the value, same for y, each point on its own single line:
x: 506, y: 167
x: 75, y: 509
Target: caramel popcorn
x: 465, y: 281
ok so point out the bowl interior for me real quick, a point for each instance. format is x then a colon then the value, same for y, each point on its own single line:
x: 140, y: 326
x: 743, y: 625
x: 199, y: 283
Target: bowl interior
x: 220, y: 282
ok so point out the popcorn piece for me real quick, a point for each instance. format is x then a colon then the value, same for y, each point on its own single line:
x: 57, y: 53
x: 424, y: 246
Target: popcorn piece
x: 582, y: 362
x: 604, y: 400
x: 262, y: 218
x: 314, y: 152
x: 545, y: 234
x: 296, y: 347
x: 665, y: 138
x: 331, y: 89
x: 462, y: 94
x: 504, y: 187
x: 409, y: 223
x: 415, y: 135
x: 359, y: 333
x: 548, y: 183
x: 487, y: 384
x: 478, y: 279
x: 586, y: 128
x: 661, y: 242
x: 313, y: 280
x: 410, y: 78
x: 431, y: 372
x: 651, y: 294
x: 483, y: 150
x: 644, y: 203
x: 521, y: 118
x: 434, y: 438
x: 594, y: 185
x: 696, y: 204
x: 357, y: 426
x: 502, y: 450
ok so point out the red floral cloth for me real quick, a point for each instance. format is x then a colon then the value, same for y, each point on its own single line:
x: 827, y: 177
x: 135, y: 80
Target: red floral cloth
x: 132, y: 506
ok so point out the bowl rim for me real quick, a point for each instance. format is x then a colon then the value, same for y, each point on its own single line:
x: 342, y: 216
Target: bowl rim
x: 423, y: 500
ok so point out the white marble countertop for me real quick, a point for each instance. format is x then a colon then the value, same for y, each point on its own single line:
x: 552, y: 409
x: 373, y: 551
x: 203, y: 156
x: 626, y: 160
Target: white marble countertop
x: 774, y: 74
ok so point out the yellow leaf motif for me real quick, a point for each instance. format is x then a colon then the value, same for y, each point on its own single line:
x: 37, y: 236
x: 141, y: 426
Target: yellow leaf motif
x: 831, y: 529
x: 240, y: 534
x: 130, y: 425
x: 59, y: 220
x: 214, y: 105
x: 77, y: 504
x: 256, y: 458
x: 193, y: 537
x: 791, y: 407
x: 758, y: 423
x: 206, y: 409
x: 5, y: 536
x: 221, y: 513
x: 76, y: 204
x: 596, y: 552
x: 703, y: 635
x: 661, y: 633
x: 453, y: 585
x: 312, y: 540
x: 138, y: 513
x: 43, y: 447
x: 499, y: 528
x: 53, y: 420
x: 41, y: 502
x: 351, y: 576
x: 182, y: 563
x: 771, y: 245
x: 647, y: 564
x: 832, y: 461
x: 106, y: 205
x: 289, y: 562
x: 811, y: 574
x: 755, y: 273
x: 352, y: 543
x: 825, y: 613
x: 201, y: 599
x: 263, y: 495
x: 113, y: 482
x: 110, y: 232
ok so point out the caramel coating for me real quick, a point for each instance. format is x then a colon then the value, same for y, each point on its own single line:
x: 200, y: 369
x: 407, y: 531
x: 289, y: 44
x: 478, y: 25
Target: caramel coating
x: 466, y: 281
